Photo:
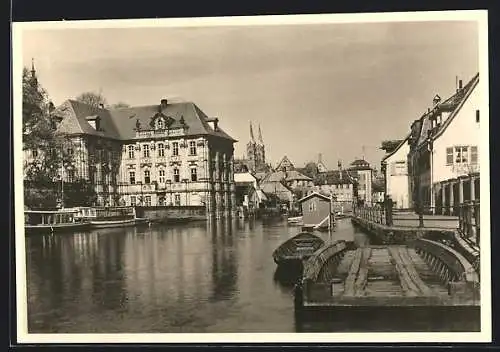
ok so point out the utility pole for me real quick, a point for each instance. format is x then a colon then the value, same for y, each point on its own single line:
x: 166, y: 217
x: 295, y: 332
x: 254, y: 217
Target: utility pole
x: 62, y: 184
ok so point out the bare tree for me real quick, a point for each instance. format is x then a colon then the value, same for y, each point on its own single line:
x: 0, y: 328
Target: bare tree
x: 93, y: 99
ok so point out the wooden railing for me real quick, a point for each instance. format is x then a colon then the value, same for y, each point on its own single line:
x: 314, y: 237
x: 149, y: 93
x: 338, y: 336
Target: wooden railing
x: 469, y: 221
x: 376, y: 214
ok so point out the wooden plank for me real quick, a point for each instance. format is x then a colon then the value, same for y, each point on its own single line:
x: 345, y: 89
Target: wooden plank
x: 353, y: 273
x: 361, y: 280
x: 409, y: 288
x: 422, y: 287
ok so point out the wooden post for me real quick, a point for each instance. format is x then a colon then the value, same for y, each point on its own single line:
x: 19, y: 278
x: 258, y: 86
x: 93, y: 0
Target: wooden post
x: 477, y: 221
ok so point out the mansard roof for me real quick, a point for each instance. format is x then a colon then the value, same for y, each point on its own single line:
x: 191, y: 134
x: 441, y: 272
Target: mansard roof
x: 121, y: 123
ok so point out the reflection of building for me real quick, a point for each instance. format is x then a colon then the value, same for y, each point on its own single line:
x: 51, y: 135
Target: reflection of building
x: 165, y: 154
x: 395, y: 167
x: 444, y: 153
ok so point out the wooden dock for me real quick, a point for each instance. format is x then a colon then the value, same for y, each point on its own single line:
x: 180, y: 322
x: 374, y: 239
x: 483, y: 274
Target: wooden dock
x: 423, y: 274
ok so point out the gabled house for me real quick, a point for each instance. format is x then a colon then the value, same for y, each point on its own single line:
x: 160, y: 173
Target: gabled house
x: 395, y: 169
x: 444, y: 151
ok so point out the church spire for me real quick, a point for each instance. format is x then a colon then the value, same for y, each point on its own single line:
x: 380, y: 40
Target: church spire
x: 261, y: 141
x: 251, y: 133
x: 34, y: 80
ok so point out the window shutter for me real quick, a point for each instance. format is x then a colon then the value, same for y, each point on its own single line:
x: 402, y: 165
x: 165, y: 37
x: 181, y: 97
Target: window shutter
x: 449, y: 156
x: 473, y: 155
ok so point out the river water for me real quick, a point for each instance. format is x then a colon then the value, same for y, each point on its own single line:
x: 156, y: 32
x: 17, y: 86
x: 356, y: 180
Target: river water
x: 198, y: 277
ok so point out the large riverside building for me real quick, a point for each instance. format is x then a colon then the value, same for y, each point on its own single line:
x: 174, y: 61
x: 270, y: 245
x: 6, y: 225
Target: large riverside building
x: 169, y: 154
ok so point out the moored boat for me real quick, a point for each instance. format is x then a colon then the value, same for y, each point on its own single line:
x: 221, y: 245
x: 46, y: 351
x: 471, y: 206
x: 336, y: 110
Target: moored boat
x: 295, y: 220
x: 105, y: 217
x: 297, y: 248
x: 50, y: 221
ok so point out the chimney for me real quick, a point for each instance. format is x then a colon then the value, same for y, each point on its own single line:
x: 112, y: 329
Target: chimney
x: 460, y: 84
x: 339, y: 164
x: 163, y: 103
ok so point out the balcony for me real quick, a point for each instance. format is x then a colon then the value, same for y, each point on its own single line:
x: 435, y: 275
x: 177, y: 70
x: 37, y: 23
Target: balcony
x: 159, y: 133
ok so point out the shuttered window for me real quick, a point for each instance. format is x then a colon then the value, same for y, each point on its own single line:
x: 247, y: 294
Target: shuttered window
x: 449, y: 156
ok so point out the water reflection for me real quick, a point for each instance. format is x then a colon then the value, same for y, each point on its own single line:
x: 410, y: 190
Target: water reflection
x: 201, y: 277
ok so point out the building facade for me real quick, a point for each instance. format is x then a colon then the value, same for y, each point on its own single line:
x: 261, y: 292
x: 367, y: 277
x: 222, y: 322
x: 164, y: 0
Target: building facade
x: 444, y: 151
x: 338, y: 183
x: 170, y: 154
x: 395, y: 169
x: 363, y: 173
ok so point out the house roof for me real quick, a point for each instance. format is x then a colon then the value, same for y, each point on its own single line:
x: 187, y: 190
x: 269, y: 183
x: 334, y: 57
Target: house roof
x: 333, y: 177
x: 277, y: 188
x: 359, y: 164
x: 244, y: 177
x: 397, y: 148
x: 121, y: 123
x: 314, y: 194
x: 285, y: 162
x: 288, y: 176
x: 453, y: 104
x: 457, y: 101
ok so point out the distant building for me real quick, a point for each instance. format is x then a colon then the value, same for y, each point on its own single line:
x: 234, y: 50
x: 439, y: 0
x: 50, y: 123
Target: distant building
x: 316, y: 209
x: 285, y: 165
x: 395, y: 169
x: 444, y: 150
x: 339, y: 183
x: 245, y: 184
x: 363, y: 173
x: 321, y: 168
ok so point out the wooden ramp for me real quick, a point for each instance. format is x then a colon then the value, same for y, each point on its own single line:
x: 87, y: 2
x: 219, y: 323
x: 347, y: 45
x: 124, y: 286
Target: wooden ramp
x: 366, y: 273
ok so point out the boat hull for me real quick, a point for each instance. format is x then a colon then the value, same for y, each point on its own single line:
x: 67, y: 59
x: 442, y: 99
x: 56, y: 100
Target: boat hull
x: 101, y: 224
x: 47, y: 229
x: 297, y: 248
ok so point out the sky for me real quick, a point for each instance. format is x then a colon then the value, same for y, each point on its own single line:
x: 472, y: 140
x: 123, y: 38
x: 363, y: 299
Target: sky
x: 334, y: 89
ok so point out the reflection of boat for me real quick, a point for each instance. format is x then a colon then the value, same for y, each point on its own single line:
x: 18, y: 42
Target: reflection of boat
x: 297, y: 248
x: 102, y: 217
x: 295, y: 220
x: 48, y: 221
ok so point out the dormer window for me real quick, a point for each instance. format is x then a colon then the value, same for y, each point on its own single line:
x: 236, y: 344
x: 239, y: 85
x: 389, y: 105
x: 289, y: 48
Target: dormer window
x: 160, y: 124
x: 94, y: 121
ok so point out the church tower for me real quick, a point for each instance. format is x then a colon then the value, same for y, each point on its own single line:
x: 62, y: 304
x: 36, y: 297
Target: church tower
x: 261, y: 152
x: 252, y: 151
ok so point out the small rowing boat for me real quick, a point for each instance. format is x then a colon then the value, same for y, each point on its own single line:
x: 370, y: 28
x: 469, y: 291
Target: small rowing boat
x: 297, y: 248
